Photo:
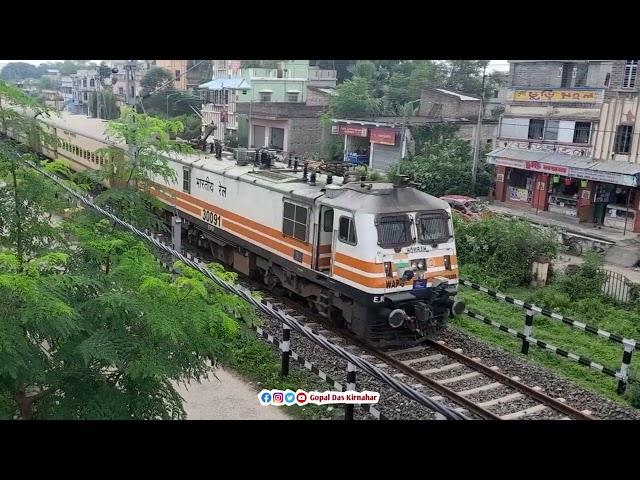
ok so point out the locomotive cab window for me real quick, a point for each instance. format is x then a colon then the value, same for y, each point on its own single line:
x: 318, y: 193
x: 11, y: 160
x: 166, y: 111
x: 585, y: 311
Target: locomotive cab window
x: 394, y: 231
x: 294, y: 221
x: 347, y: 230
x: 433, y: 227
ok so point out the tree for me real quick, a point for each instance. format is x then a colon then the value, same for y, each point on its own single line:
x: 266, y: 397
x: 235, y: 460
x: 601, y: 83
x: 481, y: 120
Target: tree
x: 443, y: 165
x: 353, y: 99
x: 130, y: 176
x: 103, y: 102
x: 155, y: 78
x: 20, y: 71
x: 91, y: 327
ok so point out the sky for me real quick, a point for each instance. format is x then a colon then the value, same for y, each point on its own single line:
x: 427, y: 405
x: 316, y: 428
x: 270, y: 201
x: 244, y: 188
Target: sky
x: 500, y: 65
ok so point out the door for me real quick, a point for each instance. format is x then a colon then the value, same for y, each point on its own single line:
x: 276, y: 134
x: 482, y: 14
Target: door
x: 258, y: 136
x: 325, y: 240
x: 277, y: 138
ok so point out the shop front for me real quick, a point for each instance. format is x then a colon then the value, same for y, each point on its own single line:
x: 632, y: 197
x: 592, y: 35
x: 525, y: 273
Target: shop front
x: 374, y: 144
x: 576, y: 189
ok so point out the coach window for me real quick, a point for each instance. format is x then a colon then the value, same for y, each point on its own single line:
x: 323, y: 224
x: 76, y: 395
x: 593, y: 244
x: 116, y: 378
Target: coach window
x: 294, y: 221
x: 347, y: 231
x: 186, y: 180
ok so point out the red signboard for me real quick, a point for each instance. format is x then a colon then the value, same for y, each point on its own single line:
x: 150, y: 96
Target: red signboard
x: 545, y: 167
x: 353, y: 131
x: 384, y: 136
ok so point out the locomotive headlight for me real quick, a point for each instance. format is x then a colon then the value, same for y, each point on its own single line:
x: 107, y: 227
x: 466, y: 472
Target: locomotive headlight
x: 418, y: 264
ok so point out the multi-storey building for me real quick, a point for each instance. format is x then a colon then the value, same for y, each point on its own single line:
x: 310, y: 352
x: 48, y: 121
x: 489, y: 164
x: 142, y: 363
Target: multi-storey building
x: 188, y: 74
x: 272, y: 107
x: 568, y: 141
x: 84, y: 84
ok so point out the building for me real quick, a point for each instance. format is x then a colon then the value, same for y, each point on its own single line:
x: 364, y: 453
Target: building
x: 84, y: 83
x: 267, y: 107
x: 196, y: 72
x: 383, y: 141
x: 568, y: 141
x: 66, y: 90
x: 495, y: 100
x: 120, y: 85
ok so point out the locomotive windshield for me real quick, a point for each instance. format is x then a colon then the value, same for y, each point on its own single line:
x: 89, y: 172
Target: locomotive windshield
x: 394, y: 231
x: 433, y: 227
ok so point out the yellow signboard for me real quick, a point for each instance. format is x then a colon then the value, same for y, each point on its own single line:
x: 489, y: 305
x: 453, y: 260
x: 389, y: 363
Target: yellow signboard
x: 584, y: 96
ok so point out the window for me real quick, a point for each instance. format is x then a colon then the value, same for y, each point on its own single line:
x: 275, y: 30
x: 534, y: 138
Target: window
x: 121, y: 90
x: 495, y: 93
x: 581, y: 75
x: 85, y: 96
x: 186, y: 180
x: 394, y: 231
x: 581, y: 132
x: 551, y: 130
x: 347, y: 230
x: 265, y: 96
x: 433, y: 227
x: 177, y: 72
x: 328, y: 221
x: 294, y: 223
x: 133, y: 90
x: 607, y: 79
x: 630, y: 72
x: 93, y: 157
x: 567, y: 73
x: 536, y: 129
x: 623, y: 139
x: 292, y: 97
x: 84, y: 83
x: 92, y: 83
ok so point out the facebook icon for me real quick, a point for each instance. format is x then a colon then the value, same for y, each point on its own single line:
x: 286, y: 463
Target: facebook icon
x: 265, y: 397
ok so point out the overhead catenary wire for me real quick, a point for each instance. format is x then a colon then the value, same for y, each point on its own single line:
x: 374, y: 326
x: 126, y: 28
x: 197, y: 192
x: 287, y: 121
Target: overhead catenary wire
x: 244, y: 293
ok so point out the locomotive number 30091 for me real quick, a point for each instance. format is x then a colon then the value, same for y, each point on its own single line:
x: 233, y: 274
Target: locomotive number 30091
x: 211, y: 218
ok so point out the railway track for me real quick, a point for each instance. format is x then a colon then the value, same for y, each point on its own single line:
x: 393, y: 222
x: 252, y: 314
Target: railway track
x: 462, y: 380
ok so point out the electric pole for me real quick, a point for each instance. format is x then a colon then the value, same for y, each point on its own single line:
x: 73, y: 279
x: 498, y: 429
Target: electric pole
x: 130, y: 71
x: 476, y: 150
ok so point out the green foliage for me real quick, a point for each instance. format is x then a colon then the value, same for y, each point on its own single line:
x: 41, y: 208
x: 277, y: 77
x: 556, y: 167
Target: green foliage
x: 156, y: 77
x: 587, y: 282
x: 353, y: 99
x: 504, y: 249
x: 104, y: 103
x: 192, y: 125
x: 444, y: 165
x: 633, y: 395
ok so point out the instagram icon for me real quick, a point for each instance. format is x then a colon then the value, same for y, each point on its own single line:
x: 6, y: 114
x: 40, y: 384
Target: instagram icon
x: 278, y: 398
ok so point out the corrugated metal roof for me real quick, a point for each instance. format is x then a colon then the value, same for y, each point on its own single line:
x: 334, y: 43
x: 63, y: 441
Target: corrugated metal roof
x: 236, y: 83
x: 459, y: 95
x: 566, y: 160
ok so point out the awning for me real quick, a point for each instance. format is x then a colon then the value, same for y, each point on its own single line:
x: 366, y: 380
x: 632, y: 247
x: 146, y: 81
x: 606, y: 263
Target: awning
x: 293, y: 91
x: 618, y: 173
x: 265, y: 90
x: 237, y: 83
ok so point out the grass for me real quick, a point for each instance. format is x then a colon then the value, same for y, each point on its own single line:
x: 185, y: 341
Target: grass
x: 592, y: 311
x: 257, y: 361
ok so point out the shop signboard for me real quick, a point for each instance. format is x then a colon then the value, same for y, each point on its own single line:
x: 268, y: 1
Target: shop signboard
x: 383, y: 136
x: 353, y: 131
x: 572, y: 172
x: 563, y: 96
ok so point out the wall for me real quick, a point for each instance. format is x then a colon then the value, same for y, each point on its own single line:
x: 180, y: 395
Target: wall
x: 535, y: 74
x: 615, y: 86
x: 615, y: 112
x: 452, y: 106
x: 172, y: 66
x: 305, y: 135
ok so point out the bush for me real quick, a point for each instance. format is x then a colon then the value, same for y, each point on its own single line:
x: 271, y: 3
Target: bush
x: 587, y: 281
x: 503, y: 248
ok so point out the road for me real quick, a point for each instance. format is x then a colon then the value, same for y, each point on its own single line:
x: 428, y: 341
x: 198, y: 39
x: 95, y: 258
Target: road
x: 225, y: 398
